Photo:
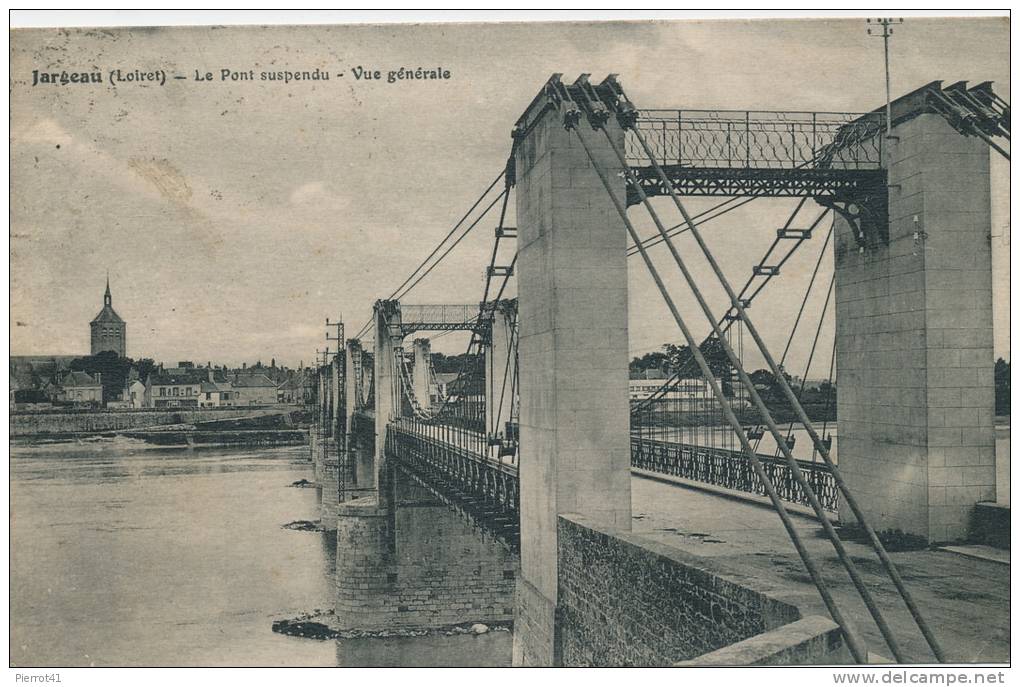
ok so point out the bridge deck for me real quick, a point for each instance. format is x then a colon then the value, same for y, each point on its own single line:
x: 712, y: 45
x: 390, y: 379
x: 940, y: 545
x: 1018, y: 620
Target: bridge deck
x: 966, y: 599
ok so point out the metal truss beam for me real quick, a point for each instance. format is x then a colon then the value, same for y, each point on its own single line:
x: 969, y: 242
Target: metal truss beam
x: 859, y: 195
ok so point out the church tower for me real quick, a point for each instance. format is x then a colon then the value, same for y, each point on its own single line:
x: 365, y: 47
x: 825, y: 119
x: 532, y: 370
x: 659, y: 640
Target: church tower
x: 109, y: 332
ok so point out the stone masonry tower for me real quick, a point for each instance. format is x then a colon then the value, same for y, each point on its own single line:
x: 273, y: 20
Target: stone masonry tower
x: 572, y: 347
x: 914, y: 336
x: 109, y: 331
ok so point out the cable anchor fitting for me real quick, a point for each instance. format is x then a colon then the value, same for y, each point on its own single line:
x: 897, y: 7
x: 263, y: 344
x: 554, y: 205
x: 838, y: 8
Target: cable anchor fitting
x: 626, y: 115
x: 571, y: 118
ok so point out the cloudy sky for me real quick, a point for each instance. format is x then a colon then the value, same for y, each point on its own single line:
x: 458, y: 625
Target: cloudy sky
x: 234, y: 217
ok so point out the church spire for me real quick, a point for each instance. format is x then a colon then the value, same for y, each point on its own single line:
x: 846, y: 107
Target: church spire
x: 107, y: 298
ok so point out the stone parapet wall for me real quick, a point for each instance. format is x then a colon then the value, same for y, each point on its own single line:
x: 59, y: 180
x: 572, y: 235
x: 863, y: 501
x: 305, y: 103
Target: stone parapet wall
x: 625, y: 599
x: 812, y: 641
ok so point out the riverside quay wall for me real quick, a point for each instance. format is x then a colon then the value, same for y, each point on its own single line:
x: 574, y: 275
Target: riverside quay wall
x: 61, y: 422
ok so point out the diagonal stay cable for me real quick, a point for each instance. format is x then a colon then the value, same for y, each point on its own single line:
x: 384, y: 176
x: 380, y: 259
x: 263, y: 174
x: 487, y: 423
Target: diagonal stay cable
x: 447, y: 237
x: 801, y: 415
x: 704, y: 216
x: 685, y: 367
x: 453, y: 245
x: 857, y: 647
x: 745, y: 380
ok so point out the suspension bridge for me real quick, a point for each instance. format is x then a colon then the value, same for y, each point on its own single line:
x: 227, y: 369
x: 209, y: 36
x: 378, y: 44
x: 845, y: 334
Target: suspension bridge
x: 535, y: 439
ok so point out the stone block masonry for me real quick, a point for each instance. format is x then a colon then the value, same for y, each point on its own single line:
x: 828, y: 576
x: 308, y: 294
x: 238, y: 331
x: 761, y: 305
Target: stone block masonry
x: 330, y: 483
x: 417, y: 564
x: 914, y: 340
x: 572, y: 348
x: 627, y: 600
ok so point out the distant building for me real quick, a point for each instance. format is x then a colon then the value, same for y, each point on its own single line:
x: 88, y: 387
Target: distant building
x: 166, y: 389
x: 684, y: 389
x: 217, y: 394
x: 109, y: 331
x: 296, y: 390
x: 80, y: 388
x: 134, y: 393
x: 254, y: 390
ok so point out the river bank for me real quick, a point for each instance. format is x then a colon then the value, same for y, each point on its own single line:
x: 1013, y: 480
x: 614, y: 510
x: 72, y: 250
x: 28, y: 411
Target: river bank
x: 182, y: 438
x: 73, y: 423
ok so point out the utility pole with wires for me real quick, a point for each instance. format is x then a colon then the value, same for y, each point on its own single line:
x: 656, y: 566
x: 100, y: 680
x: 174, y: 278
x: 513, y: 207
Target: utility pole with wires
x: 335, y: 372
x: 339, y: 334
x: 885, y: 33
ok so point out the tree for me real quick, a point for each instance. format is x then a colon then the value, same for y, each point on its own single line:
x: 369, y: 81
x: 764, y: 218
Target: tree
x: 145, y: 367
x: 113, y: 371
x: 682, y: 361
x: 771, y: 392
x: 656, y: 360
x: 1001, y: 387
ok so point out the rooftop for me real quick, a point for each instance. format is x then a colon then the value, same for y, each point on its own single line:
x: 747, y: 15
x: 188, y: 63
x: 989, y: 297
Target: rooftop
x: 253, y: 380
x: 78, y: 379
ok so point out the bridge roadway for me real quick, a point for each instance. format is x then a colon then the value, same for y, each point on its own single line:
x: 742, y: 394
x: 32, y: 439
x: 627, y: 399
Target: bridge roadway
x: 969, y: 595
x: 965, y: 599
x: 463, y: 458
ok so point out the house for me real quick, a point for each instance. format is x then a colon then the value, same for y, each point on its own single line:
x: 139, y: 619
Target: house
x: 216, y: 394
x: 134, y: 393
x: 80, y: 388
x: 254, y: 390
x: 295, y: 390
x: 688, y: 389
x: 174, y: 389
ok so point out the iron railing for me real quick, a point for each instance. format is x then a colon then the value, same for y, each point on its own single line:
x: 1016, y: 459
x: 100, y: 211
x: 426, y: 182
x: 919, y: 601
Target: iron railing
x: 415, y: 318
x: 490, y: 486
x: 732, y: 470
x: 730, y: 139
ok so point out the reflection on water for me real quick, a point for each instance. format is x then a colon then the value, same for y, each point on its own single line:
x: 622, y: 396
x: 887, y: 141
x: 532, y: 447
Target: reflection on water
x: 127, y: 555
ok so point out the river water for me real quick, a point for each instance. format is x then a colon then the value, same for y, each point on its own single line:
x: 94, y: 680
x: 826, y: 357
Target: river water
x: 125, y: 555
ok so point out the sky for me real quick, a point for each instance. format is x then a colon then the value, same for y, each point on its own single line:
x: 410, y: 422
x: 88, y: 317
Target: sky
x: 234, y: 217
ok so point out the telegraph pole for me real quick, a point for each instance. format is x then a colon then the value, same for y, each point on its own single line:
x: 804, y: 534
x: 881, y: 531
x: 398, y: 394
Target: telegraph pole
x: 340, y: 391
x: 886, y: 32
x: 339, y: 334
x: 339, y: 338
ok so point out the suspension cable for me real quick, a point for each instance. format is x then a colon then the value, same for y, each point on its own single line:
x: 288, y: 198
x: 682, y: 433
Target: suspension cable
x: 684, y: 367
x: 447, y: 237
x: 678, y: 229
x: 857, y: 647
x: 802, y: 416
x: 811, y: 355
x: 763, y: 410
x: 364, y: 328
x: 447, y: 251
x: 807, y: 293
x: 796, y: 324
x: 510, y: 353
